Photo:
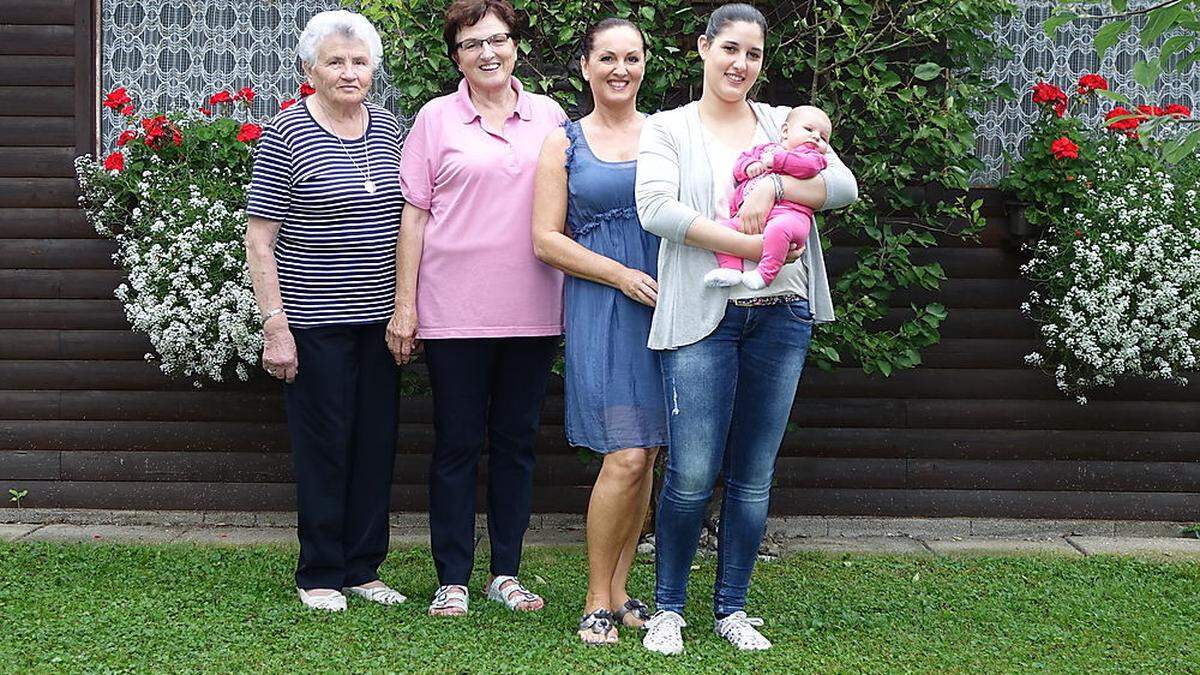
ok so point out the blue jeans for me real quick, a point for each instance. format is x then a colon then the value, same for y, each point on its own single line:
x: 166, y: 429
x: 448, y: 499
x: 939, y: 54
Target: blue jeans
x: 728, y: 401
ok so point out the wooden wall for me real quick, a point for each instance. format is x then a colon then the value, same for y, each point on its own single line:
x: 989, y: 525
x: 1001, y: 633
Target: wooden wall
x: 86, y: 422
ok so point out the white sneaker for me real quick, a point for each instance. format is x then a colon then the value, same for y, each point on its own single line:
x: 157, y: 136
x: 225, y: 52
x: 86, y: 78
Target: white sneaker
x: 722, y: 278
x: 742, y: 632
x: 754, y: 281
x: 334, y: 602
x: 664, y: 633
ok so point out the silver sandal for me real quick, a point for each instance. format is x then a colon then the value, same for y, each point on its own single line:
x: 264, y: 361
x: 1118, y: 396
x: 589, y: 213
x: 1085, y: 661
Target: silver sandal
x: 635, y: 608
x: 514, y: 595
x: 599, y: 622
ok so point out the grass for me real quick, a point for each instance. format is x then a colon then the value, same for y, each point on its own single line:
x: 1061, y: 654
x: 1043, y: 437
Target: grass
x: 87, y: 607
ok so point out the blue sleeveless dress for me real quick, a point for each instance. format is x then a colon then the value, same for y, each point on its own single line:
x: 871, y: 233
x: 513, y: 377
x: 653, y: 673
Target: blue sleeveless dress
x: 614, y: 390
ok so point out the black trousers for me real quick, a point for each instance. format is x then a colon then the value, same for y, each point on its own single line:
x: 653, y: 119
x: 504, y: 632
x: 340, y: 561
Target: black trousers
x: 484, y: 390
x: 342, y: 418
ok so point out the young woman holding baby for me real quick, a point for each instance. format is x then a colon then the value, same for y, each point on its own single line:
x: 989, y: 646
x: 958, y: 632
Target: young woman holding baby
x: 731, y: 355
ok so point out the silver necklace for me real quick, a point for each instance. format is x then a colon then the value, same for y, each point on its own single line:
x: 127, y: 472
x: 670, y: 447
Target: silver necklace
x: 368, y: 184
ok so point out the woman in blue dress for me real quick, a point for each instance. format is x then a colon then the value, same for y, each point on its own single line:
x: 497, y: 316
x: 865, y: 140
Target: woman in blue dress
x: 585, y: 223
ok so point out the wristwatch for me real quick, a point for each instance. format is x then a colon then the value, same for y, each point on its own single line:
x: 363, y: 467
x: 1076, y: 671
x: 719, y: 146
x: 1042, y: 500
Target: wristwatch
x: 271, y: 314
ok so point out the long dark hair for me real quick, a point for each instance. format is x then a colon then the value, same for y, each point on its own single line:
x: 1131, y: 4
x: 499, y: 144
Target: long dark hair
x: 732, y: 13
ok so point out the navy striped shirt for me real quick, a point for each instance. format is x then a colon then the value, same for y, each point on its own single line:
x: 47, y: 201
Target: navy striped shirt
x: 336, y: 249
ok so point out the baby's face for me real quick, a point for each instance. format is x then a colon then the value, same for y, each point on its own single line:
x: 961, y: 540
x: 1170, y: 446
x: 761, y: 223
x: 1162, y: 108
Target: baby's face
x: 805, y: 127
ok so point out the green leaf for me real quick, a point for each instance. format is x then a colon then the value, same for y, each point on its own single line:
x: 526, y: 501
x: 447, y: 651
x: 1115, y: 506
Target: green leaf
x: 1160, y: 21
x: 1183, y: 147
x: 647, y: 12
x: 1175, y: 44
x: 927, y: 71
x: 1107, y: 36
x: 1057, y: 21
x: 1146, y: 72
x: 1114, y: 96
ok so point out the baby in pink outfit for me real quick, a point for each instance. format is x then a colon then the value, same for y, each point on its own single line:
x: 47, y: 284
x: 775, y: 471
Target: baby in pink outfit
x: 804, y: 139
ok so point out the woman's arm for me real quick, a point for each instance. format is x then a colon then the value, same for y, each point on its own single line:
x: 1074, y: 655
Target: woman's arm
x: 552, y: 246
x: 658, y: 205
x: 279, y: 347
x: 402, y: 329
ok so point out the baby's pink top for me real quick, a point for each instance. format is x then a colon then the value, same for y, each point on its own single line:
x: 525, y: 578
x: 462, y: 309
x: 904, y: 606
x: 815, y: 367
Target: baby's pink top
x: 478, y: 275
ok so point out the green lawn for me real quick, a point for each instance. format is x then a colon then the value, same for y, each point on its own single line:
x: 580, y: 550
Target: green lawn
x: 153, y: 608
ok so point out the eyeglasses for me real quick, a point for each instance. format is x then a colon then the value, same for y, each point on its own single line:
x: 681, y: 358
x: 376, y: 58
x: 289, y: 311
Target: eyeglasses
x: 473, y: 45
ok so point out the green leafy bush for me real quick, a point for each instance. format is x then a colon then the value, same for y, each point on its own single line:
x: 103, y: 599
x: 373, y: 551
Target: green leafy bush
x: 900, y: 79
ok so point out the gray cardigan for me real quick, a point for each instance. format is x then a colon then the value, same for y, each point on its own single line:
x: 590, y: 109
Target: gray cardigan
x: 674, y: 187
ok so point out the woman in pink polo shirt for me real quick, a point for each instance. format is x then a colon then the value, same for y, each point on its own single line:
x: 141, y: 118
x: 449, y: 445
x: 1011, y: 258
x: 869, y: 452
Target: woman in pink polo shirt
x: 469, y: 287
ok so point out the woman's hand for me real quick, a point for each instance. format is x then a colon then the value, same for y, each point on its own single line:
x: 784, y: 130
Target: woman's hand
x: 279, y: 350
x: 756, y: 206
x: 402, y: 334
x: 794, y: 252
x: 638, y: 286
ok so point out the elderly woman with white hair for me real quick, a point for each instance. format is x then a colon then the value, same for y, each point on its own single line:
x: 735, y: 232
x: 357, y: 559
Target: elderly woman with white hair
x: 324, y: 212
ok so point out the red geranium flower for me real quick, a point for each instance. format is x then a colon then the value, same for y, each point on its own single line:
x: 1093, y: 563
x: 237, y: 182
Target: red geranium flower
x: 249, y: 132
x: 205, y: 110
x: 288, y: 103
x: 1064, y: 148
x: 1045, y: 93
x: 245, y: 94
x: 1151, y: 110
x: 1130, y: 122
x: 1178, y: 110
x: 117, y: 99
x: 1091, y: 82
x: 128, y: 110
x: 126, y: 136
x: 159, y: 127
x: 114, y: 162
x: 307, y: 89
x: 220, y: 97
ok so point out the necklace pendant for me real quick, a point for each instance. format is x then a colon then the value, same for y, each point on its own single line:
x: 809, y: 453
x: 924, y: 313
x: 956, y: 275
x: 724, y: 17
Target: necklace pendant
x: 369, y: 186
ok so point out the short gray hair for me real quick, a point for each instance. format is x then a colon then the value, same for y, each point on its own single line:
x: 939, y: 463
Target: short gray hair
x: 342, y: 22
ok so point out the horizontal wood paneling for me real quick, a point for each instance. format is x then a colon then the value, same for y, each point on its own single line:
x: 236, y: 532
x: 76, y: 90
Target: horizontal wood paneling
x: 73, y: 344
x: 81, y: 284
x: 57, y: 253
x: 61, y: 223
x: 27, y: 101
x: 37, y: 71
x: 27, y: 12
x: 218, y: 496
x: 62, y: 314
x: 38, y: 132
x: 38, y: 192
x: 1180, y: 506
x: 34, y: 161
x: 37, y: 40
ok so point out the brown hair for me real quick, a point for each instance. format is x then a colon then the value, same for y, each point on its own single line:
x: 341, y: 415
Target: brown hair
x: 462, y: 13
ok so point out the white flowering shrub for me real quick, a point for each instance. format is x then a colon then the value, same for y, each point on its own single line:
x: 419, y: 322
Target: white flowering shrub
x: 1119, y: 274
x: 173, y: 197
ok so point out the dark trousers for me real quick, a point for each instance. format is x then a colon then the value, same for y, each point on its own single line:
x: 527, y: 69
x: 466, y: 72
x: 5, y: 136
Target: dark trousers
x: 342, y: 420
x: 484, y: 390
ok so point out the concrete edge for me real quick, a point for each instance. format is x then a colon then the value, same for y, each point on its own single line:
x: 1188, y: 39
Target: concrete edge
x: 780, y: 526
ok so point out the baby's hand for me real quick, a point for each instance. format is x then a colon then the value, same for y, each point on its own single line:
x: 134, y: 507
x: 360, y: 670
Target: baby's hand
x: 756, y: 169
x: 768, y: 159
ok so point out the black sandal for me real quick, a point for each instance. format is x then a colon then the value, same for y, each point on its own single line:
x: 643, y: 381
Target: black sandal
x: 635, y: 607
x: 599, y: 622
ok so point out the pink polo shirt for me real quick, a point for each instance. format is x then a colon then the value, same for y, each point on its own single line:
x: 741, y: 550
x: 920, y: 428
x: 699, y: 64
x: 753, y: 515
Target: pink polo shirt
x: 478, y: 276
